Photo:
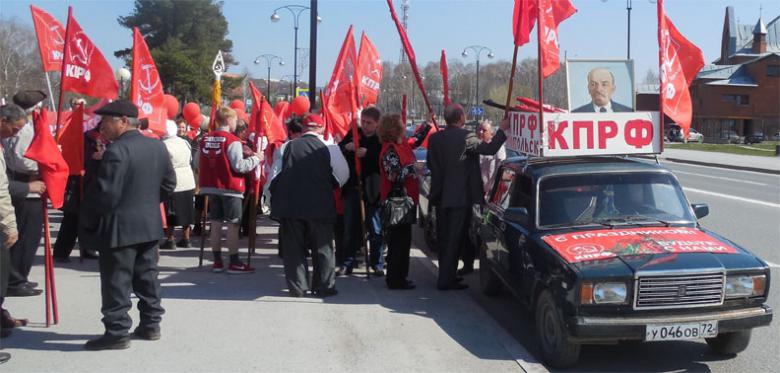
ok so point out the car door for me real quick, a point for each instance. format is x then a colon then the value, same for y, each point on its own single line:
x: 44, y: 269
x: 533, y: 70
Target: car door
x: 514, y: 240
x: 492, y: 225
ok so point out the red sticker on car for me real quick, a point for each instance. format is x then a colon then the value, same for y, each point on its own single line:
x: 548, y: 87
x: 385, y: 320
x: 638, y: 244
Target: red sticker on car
x: 610, y: 243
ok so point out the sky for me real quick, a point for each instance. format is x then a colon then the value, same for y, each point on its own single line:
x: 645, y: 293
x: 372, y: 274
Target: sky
x: 598, y: 30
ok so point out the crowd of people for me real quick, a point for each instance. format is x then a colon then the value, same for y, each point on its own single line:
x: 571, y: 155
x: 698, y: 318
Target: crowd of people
x: 327, y: 196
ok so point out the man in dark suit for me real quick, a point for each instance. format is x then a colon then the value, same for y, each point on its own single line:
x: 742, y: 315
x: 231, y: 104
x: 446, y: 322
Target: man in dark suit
x: 456, y: 184
x: 124, y: 223
x: 601, y: 87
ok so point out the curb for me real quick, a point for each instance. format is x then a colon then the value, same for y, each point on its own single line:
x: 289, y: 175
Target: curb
x: 728, y: 166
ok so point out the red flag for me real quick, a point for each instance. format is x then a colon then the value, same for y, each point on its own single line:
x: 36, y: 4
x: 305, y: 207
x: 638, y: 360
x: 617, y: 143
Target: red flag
x: 680, y: 61
x: 51, y: 166
x: 552, y: 13
x: 71, y: 140
x: 264, y: 120
x: 409, y: 53
x: 51, y: 38
x: 445, y: 78
x: 146, y: 89
x: 340, y: 93
x: 85, y: 70
x: 523, y: 21
x: 369, y: 73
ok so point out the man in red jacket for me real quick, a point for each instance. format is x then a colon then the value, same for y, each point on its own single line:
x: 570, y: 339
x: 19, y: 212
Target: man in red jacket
x: 222, y: 168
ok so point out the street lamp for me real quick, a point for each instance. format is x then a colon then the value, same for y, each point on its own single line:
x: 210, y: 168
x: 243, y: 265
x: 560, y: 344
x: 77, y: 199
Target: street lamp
x: 269, y: 60
x: 296, y: 11
x: 629, y: 6
x: 123, y: 76
x: 477, y: 50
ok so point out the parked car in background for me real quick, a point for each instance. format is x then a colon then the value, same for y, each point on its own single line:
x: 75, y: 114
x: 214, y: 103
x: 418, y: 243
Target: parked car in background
x: 695, y: 136
x: 777, y: 136
x: 755, y: 138
x: 675, y: 134
x: 732, y: 137
x: 607, y: 249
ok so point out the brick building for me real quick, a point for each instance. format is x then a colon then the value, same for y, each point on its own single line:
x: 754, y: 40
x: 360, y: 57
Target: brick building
x: 739, y: 93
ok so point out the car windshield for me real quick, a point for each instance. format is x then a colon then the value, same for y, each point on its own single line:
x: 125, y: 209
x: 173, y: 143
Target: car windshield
x: 611, y: 199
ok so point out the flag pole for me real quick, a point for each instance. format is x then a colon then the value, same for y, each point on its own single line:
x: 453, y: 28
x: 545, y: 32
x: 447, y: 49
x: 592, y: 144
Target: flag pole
x: 660, y: 11
x: 539, y: 66
x: 511, y: 82
x: 359, y: 177
x: 62, y: 73
x: 51, y: 288
x: 51, y: 94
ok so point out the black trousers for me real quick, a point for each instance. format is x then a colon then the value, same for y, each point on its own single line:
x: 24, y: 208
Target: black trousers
x: 468, y: 253
x: 399, y: 242
x: 126, y: 269
x: 297, y: 234
x: 29, y: 220
x: 66, y: 238
x: 452, y: 231
x: 353, y: 230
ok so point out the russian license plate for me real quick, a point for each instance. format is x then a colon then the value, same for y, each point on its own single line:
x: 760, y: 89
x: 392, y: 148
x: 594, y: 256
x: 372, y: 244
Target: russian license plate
x: 669, y: 332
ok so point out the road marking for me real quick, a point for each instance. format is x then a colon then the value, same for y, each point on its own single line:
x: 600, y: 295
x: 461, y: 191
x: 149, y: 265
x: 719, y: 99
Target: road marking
x: 772, y: 264
x: 720, y: 178
x: 669, y: 164
x: 741, y: 199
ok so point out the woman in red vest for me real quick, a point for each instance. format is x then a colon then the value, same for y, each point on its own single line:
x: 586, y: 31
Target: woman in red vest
x: 397, y: 162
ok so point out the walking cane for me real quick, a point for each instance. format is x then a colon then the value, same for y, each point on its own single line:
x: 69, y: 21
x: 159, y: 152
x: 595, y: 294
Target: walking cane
x: 203, y: 221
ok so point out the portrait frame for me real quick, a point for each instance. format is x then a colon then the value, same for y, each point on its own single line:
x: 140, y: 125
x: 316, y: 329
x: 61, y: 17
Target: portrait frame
x: 577, y: 81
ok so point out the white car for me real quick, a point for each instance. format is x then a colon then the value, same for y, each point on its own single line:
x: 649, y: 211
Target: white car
x: 695, y: 136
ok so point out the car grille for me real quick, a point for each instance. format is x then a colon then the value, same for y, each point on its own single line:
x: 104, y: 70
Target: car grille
x: 679, y: 291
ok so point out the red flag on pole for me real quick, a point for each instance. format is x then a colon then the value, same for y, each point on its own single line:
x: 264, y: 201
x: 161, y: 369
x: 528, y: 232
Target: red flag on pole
x: 680, y: 61
x: 51, y: 38
x: 445, y: 78
x: 51, y: 166
x: 85, y: 70
x: 263, y: 119
x: 71, y: 140
x: 146, y: 89
x: 552, y: 14
x: 369, y: 73
x: 340, y: 93
x: 410, y: 53
x: 523, y: 20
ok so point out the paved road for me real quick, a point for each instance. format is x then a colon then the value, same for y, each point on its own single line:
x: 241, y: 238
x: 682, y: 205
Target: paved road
x: 744, y: 207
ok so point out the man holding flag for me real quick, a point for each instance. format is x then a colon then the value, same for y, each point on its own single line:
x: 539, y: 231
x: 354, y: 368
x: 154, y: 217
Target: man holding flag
x: 123, y: 220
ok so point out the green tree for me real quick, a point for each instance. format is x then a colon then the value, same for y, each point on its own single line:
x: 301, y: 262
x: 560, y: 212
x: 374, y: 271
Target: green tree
x: 183, y: 37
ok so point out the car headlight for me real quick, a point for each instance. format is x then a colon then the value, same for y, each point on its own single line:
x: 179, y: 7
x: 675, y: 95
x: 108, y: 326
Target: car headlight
x: 745, y: 286
x: 603, y: 293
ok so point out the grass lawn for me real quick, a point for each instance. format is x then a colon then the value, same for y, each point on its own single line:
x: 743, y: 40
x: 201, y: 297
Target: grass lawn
x: 766, y: 148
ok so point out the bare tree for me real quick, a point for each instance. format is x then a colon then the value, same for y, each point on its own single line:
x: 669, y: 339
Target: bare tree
x: 20, y: 63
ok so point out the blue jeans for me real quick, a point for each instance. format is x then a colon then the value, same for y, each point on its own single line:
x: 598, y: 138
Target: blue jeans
x: 374, y: 227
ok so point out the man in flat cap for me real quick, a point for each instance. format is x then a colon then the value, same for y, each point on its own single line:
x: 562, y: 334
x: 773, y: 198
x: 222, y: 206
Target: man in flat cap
x: 123, y: 222
x: 302, y: 200
x: 26, y: 189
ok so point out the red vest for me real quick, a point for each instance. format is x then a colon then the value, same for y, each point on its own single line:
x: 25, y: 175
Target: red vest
x: 406, y: 156
x: 215, y: 170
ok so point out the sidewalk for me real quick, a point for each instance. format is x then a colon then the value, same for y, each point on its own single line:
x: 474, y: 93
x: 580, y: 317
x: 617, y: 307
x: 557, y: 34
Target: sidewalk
x: 724, y: 160
x: 221, y: 322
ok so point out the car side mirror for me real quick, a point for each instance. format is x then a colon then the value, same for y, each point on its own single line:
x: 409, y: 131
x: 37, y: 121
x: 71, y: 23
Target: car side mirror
x: 517, y: 215
x: 700, y: 210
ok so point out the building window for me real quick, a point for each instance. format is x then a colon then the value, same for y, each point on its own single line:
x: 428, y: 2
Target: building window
x: 737, y: 99
x: 773, y: 70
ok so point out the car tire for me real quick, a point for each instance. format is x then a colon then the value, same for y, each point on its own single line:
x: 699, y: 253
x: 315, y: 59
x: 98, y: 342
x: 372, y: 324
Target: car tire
x: 489, y: 282
x: 730, y: 343
x: 557, y: 351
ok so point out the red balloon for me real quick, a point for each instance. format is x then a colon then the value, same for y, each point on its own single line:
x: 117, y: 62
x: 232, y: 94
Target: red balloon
x: 237, y: 105
x: 172, y: 105
x: 191, y: 114
x: 300, y: 105
x: 281, y: 108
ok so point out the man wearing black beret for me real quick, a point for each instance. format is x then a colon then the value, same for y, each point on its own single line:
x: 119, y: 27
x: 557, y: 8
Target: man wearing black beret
x: 123, y: 222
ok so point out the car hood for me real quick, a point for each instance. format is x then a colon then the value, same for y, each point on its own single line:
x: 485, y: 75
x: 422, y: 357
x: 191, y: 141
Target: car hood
x: 623, y: 252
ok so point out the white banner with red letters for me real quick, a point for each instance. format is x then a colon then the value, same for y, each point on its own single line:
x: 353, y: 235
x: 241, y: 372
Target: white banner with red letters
x: 609, y: 243
x: 578, y: 134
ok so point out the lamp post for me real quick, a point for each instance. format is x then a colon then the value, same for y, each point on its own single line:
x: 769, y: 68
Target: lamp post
x: 629, y: 6
x: 296, y: 11
x: 477, y: 50
x: 269, y: 60
x: 123, y: 76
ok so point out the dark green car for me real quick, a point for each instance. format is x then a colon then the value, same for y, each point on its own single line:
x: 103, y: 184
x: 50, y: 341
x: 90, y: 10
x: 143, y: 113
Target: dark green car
x: 605, y: 249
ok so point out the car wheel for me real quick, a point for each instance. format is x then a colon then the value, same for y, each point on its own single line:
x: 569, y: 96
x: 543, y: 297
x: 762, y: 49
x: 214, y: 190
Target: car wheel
x: 557, y: 351
x: 730, y: 343
x: 488, y: 280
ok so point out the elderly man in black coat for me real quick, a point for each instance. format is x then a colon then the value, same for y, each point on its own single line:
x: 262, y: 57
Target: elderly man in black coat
x: 456, y: 184
x: 123, y: 221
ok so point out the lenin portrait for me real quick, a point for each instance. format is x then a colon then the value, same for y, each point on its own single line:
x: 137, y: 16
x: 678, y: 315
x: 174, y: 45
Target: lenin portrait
x: 600, y: 86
